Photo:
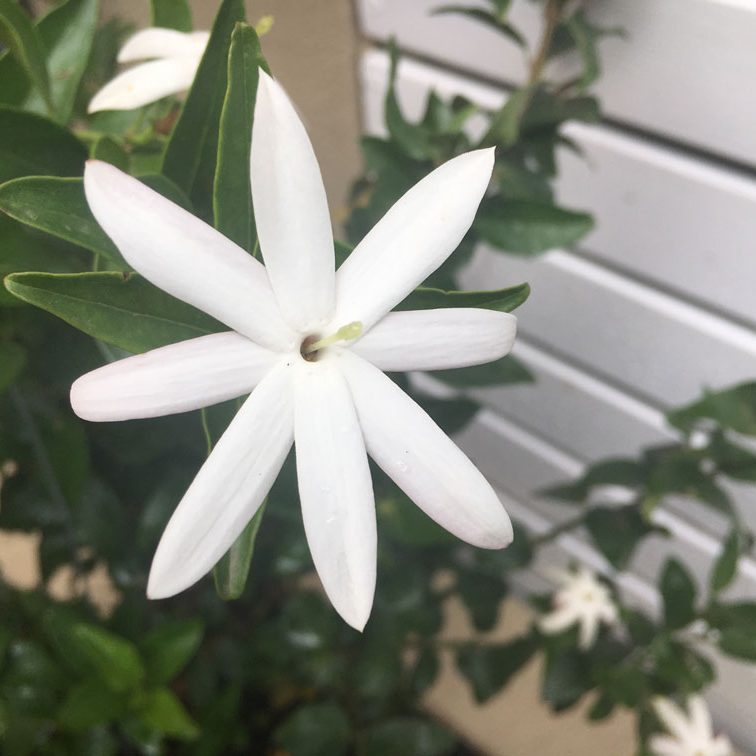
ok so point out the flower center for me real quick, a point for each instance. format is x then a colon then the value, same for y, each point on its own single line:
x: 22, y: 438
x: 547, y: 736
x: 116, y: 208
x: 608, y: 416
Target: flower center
x: 311, y: 347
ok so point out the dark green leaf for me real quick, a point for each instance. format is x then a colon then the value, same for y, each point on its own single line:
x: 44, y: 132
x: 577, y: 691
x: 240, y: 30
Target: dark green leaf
x: 732, y: 460
x: 489, y: 668
x: 505, y: 370
x: 230, y: 574
x: 584, y: 38
x: 617, y: 531
x: 169, y: 648
x: 191, y: 154
x: 601, y: 708
x: 406, y: 523
x: 425, y: 671
x: 566, y: 678
x: 482, y: 596
x: 495, y: 22
x: 504, y: 130
x: 451, y: 415
x: 24, y: 42
x: 88, y: 704
x: 108, y: 150
x: 408, y: 735
x: 171, y: 14
x: 315, y: 729
x: 33, y: 146
x: 679, y: 594
x: 733, y: 408
x: 121, y: 309
x: 232, y: 197
x: 12, y: 359
x: 503, y: 300
x: 738, y: 643
x: 161, y: 710
x: 681, y: 667
x: 529, y: 227
x: 724, y: 569
x: 611, y: 472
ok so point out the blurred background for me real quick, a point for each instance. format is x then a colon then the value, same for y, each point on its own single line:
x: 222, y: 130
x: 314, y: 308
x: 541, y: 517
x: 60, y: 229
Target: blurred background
x: 655, y: 305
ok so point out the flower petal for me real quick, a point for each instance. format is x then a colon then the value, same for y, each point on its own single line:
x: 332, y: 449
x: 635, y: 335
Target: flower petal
x: 558, y: 620
x: 291, y: 210
x: 184, y: 256
x: 145, y: 83
x: 414, y: 237
x: 228, y: 489
x: 673, y: 719
x: 175, y: 378
x: 422, y: 460
x: 700, y: 718
x: 338, y: 507
x: 588, y: 629
x: 663, y: 745
x: 437, y: 339
x: 157, y: 42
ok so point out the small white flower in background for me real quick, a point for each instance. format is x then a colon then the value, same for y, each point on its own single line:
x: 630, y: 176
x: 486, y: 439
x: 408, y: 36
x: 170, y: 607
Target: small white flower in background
x: 172, y: 58
x: 690, y: 732
x: 310, y: 344
x: 581, y: 600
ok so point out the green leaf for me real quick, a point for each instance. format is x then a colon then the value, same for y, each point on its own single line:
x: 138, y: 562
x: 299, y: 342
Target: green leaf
x: 161, y: 710
x: 230, y: 574
x: 733, y: 408
x: 489, y: 668
x: 114, y: 659
x: 681, y: 667
x: 408, y: 735
x: 22, y: 38
x: 425, y: 671
x: 617, y: 531
x: 405, y: 522
x: 724, y: 569
x: 566, y: 678
x: 411, y: 138
x: 482, y: 596
x: 169, y: 647
x: 108, y: 150
x: 88, y: 704
x: 12, y: 360
x: 171, y: 14
x: 627, y: 473
x: 232, y: 195
x: 33, y: 146
x: 504, y: 130
x: 601, y: 708
x: 121, y: 309
x: 503, y: 300
x: 495, y: 22
x: 505, y: 370
x: 191, y: 154
x: 732, y: 460
x: 451, y: 415
x: 315, y: 729
x: 67, y: 33
x: 529, y: 227
x: 679, y: 594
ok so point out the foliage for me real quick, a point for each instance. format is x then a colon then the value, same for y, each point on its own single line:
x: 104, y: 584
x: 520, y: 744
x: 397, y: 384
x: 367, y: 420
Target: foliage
x: 274, y: 669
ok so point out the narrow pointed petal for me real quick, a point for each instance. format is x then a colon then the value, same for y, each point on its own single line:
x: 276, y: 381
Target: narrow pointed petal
x: 184, y: 256
x: 663, y: 745
x: 700, y: 718
x: 588, y: 630
x: 145, y: 83
x: 558, y: 620
x: 671, y: 717
x: 422, y: 460
x: 176, y: 378
x: 414, y: 237
x: 335, y: 488
x: 437, y: 339
x: 291, y: 210
x: 157, y: 42
x: 228, y: 489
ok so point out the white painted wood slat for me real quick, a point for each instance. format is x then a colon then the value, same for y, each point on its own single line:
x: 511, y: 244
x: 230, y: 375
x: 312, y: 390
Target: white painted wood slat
x: 685, y: 70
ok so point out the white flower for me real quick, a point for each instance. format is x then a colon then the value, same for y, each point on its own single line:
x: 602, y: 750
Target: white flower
x: 335, y: 404
x: 690, y: 733
x: 581, y: 600
x: 172, y: 60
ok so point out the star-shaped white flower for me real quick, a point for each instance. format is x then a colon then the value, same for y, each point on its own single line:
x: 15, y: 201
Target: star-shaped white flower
x: 172, y: 60
x: 581, y: 600
x: 334, y: 403
x: 690, y: 732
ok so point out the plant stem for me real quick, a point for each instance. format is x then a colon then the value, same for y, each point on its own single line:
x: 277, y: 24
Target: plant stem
x: 552, y: 17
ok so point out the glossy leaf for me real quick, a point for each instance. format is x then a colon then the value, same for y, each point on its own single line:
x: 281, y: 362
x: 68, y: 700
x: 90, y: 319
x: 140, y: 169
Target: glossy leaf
x: 315, y: 729
x: 121, y: 309
x: 503, y: 300
x: 232, y: 195
x: 169, y: 648
x: 733, y: 408
x: 21, y: 37
x: 503, y: 371
x: 725, y: 568
x: 566, y: 678
x: 191, y: 155
x: 171, y: 14
x: 626, y: 473
x: 33, y: 146
x: 679, y: 594
x: 529, y: 227
x: 408, y: 735
x: 162, y: 710
x: 489, y: 668
x: 108, y: 150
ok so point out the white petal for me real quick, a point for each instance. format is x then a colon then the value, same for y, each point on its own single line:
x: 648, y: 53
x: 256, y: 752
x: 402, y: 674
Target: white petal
x: 588, y: 629
x: 422, y: 460
x: 291, y: 210
x: 671, y: 717
x: 145, y: 83
x: 558, y: 621
x: 700, y: 718
x: 175, y: 378
x: 721, y: 746
x: 414, y: 237
x: 185, y: 256
x: 157, y: 42
x: 335, y: 488
x: 228, y: 489
x: 437, y: 339
x: 662, y: 745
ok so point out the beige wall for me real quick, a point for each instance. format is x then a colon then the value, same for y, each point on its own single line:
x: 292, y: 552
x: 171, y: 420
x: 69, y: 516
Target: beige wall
x: 311, y: 49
